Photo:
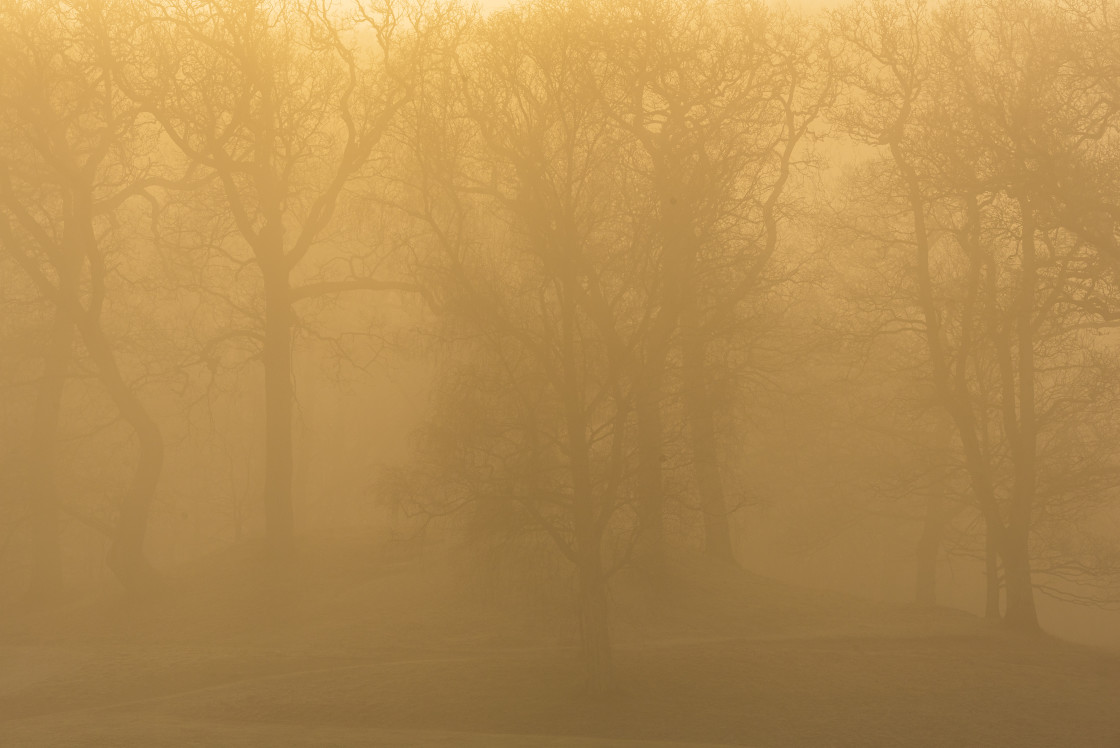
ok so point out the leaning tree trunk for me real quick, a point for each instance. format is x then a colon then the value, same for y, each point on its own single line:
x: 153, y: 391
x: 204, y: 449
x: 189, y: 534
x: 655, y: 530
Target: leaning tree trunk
x: 46, y: 568
x: 701, y: 421
x: 126, y: 555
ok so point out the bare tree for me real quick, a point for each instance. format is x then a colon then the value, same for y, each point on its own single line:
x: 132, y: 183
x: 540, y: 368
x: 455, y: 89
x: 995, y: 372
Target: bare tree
x: 76, y: 153
x: 281, y: 104
x: 717, y: 100
x: 522, y: 199
x: 970, y: 107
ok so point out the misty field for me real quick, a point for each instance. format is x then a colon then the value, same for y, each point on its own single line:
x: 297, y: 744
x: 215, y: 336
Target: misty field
x: 381, y: 647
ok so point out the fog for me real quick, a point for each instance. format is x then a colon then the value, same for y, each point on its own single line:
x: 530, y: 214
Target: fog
x: 559, y: 372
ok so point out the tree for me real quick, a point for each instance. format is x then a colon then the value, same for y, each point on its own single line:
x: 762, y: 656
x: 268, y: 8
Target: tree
x: 717, y: 100
x: 972, y: 108
x: 74, y: 155
x: 519, y: 192
x: 281, y: 104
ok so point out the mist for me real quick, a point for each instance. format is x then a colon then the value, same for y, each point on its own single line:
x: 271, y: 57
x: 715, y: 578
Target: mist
x: 559, y: 372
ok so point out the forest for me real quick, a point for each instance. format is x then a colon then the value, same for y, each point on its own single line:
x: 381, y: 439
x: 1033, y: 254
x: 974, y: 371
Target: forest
x: 629, y: 350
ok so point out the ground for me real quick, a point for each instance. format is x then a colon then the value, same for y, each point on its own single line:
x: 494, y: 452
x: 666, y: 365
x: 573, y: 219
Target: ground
x: 380, y: 646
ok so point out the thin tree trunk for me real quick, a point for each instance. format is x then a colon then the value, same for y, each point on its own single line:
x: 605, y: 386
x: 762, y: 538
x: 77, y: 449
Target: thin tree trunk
x: 991, y: 569
x: 272, y: 257
x: 279, y: 515
x: 933, y: 528
x: 651, y: 541
x: 955, y: 397
x: 46, y: 569
x: 928, y: 546
x: 702, y: 428
x: 594, y: 619
x: 678, y: 248
x: 593, y: 607
x: 1021, y: 613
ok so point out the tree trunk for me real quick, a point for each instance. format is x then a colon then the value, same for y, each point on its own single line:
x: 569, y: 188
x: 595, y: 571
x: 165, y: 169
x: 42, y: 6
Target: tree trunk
x: 991, y: 568
x: 594, y: 620
x: 586, y: 522
x: 279, y: 515
x: 126, y: 555
x: 46, y: 569
x: 928, y: 546
x: 702, y: 428
x: 1021, y: 613
x: 677, y: 253
x: 933, y: 528
x: 651, y: 539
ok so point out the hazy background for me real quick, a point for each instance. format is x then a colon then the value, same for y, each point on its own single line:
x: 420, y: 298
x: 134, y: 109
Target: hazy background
x: 537, y: 372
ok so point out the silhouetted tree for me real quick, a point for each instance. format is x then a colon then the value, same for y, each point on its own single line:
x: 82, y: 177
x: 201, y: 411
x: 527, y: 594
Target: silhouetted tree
x: 282, y: 104
x: 76, y: 152
x: 968, y: 106
x: 717, y: 99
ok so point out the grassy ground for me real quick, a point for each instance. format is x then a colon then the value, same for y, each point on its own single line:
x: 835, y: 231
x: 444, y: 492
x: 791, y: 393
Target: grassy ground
x: 368, y: 647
